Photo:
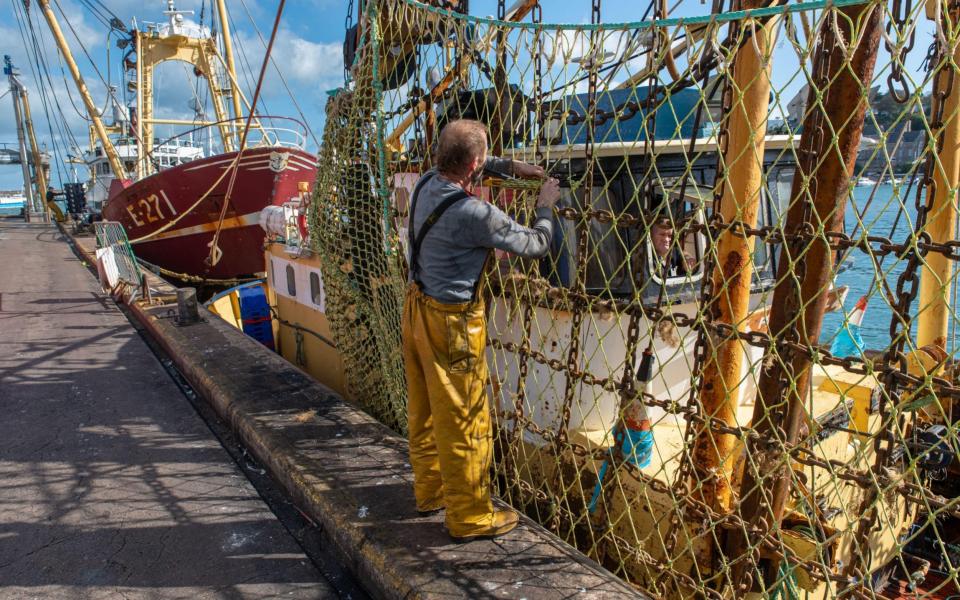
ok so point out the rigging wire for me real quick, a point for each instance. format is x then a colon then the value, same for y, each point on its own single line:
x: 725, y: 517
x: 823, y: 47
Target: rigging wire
x: 66, y: 84
x: 230, y: 170
x: 248, y: 70
x: 96, y: 14
x: 80, y: 42
x: 87, y: 54
x: 46, y: 71
x: 243, y: 139
x: 41, y: 72
x: 46, y: 82
x: 27, y: 48
x: 283, y: 80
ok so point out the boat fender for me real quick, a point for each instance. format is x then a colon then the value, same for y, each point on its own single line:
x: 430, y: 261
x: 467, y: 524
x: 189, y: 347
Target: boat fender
x: 273, y: 220
x: 638, y: 444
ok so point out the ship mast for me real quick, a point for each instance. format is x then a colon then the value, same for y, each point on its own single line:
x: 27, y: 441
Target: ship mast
x: 746, y: 127
x: 228, y: 56
x: 180, y: 41
x: 115, y: 165
x: 936, y: 279
x: 38, y: 171
x: 843, y: 65
x: 25, y: 122
x: 28, y: 205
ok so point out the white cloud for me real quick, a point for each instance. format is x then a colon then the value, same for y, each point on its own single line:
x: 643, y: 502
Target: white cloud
x: 307, y: 66
x: 309, y: 62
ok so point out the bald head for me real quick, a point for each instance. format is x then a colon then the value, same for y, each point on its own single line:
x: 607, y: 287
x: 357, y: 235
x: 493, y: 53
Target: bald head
x: 462, y: 142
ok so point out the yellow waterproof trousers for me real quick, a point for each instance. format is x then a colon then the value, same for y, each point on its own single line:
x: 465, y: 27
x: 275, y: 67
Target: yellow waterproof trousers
x: 448, y: 416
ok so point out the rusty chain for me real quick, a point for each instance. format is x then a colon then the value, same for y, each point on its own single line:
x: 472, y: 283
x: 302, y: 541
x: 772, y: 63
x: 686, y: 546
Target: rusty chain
x: 896, y: 27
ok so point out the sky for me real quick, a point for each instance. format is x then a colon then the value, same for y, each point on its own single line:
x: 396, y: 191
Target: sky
x: 308, y: 51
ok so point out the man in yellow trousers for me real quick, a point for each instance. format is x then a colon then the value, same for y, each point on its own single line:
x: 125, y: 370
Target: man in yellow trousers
x: 452, y: 232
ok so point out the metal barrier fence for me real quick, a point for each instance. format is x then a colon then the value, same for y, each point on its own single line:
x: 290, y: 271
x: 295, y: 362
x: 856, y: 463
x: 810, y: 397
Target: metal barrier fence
x: 115, y: 254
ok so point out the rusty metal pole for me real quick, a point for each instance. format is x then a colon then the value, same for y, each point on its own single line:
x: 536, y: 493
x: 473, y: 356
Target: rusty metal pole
x: 936, y: 276
x: 746, y: 129
x: 828, y: 149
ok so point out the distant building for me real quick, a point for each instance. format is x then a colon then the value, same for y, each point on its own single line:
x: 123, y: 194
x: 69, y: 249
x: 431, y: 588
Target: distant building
x: 903, y: 147
x: 909, y: 149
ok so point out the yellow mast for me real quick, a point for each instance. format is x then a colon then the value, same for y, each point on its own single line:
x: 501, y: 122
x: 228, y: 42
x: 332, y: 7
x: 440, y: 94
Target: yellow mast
x: 936, y: 276
x: 39, y: 173
x: 142, y: 159
x: 22, y: 145
x: 714, y: 453
x: 108, y: 149
x: 170, y: 42
x: 228, y: 57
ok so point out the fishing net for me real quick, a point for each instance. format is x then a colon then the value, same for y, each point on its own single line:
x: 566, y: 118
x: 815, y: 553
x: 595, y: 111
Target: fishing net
x: 686, y: 387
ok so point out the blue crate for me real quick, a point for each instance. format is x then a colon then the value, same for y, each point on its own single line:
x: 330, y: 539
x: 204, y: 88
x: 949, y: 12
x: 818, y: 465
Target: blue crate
x: 255, y: 315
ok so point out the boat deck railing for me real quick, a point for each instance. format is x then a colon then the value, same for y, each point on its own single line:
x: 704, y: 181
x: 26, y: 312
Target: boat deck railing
x: 292, y: 133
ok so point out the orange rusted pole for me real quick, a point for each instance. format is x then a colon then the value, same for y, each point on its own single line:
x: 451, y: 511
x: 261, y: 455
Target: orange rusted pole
x: 746, y: 126
x: 832, y: 129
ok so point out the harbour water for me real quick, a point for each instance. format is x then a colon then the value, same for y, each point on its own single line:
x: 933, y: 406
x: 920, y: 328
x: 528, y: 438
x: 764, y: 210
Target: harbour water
x: 890, y: 213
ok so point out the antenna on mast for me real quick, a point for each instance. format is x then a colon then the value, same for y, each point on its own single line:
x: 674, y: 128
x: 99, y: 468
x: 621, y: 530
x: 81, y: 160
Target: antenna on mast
x: 176, y: 18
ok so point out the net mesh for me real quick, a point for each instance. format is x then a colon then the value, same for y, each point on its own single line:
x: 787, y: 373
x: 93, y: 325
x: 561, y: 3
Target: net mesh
x: 726, y: 377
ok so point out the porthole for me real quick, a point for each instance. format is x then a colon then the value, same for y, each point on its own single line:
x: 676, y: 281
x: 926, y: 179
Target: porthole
x: 316, y: 292
x: 291, y: 281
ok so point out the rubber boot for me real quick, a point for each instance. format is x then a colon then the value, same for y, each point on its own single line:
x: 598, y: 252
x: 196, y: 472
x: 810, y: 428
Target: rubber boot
x: 504, y: 521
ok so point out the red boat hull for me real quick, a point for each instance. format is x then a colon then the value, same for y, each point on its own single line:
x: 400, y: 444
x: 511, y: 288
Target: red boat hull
x: 146, y: 208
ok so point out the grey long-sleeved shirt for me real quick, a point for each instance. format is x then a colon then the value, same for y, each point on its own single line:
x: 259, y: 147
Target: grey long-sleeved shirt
x: 453, y: 252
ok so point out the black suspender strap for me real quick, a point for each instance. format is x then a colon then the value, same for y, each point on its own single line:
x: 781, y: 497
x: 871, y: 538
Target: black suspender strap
x: 413, y: 206
x: 417, y: 240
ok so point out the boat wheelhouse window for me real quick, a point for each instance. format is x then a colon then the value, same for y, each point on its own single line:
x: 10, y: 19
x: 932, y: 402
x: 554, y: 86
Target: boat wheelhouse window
x: 608, y: 258
x: 316, y: 292
x: 291, y: 281
x: 780, y: 184
x: 680, y: 256
x: 773, y: 206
